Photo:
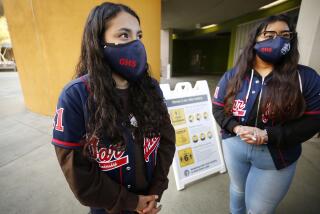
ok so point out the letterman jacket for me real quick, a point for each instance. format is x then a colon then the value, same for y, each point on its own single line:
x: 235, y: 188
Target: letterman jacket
x: 106, y: 182
x: 284, y: 140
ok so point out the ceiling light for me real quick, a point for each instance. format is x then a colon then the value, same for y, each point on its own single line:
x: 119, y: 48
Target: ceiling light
x: 208, y: 26
x: 272, y: 4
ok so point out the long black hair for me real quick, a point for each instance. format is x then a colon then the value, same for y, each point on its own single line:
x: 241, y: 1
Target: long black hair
x: 283, y: 100
x: 103, y: 104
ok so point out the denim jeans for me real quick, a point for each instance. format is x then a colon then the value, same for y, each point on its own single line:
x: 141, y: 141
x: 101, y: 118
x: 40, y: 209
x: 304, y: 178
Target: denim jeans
x: 256, y: 186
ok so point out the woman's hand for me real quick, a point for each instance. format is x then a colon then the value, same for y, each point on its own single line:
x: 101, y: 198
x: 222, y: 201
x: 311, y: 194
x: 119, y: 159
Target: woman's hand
x: 240, y: 129
x: 147, y: 204
x: 261, y: 136
x: 251, y: 135
x: 154, y: 210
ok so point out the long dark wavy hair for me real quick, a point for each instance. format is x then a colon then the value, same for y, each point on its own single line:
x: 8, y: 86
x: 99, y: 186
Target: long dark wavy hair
x: 104, y: 106
x: 282, y: 98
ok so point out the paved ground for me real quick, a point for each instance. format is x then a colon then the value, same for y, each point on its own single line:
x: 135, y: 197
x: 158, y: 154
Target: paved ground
x: 31, y: 180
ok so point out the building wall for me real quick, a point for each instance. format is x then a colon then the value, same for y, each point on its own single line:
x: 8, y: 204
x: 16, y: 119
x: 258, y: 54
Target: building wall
x: 308, y: 29
x: 46, y: 37
x: 164, y: 49
x: 315, y: 52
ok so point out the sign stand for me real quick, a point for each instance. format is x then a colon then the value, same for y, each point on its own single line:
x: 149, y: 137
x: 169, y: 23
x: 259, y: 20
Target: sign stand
x: 198, y: 149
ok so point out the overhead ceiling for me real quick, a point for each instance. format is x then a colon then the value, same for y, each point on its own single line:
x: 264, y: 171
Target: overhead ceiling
x: 185, y: 14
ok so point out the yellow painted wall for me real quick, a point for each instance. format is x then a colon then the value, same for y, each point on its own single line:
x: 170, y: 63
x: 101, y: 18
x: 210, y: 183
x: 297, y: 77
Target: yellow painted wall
x: 46, y: 37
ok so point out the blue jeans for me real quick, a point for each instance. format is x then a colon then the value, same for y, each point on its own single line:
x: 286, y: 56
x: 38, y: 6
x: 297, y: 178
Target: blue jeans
x: 256, y: 186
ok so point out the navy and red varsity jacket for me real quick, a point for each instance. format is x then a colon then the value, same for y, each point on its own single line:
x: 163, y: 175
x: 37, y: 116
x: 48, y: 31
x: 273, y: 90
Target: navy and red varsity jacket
x: 284, y: 140
x: 116, y: 168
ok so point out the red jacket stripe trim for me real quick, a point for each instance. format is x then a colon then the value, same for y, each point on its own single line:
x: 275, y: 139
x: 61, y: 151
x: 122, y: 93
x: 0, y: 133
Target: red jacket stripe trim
x: 120, y: 174
x: 312, y: 112
x: 86, y: 84
x: 65, y: 143
x: 218, y: 104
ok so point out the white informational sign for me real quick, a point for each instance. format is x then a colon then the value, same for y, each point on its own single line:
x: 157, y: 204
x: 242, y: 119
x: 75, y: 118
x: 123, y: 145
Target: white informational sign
x: 198, y: 149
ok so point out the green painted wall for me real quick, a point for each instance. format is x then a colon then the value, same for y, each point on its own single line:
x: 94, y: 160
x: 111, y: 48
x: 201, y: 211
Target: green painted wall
x: 232, y: 47
x: 214, y: 56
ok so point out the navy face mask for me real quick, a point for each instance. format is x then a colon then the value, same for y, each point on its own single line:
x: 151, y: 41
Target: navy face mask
x: 272, y: 50
x: 129, y: 60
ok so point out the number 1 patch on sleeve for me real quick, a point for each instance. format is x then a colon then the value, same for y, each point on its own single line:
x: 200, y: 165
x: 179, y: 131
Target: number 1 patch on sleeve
x: 58, y: 117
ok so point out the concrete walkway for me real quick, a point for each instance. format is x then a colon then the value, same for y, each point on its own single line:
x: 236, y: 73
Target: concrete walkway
x: 31, y: 180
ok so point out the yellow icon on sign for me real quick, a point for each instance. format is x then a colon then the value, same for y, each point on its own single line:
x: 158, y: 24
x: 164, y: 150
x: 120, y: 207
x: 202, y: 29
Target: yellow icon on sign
x: 185, y: 157
x: 198, y: 116
x: 195, y: 138
x: 202, y: 136
x: 177, y: 116
x: 191, y: 118
x: 182, y: 137
x: 205, y: 115
x: 209, y: 134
